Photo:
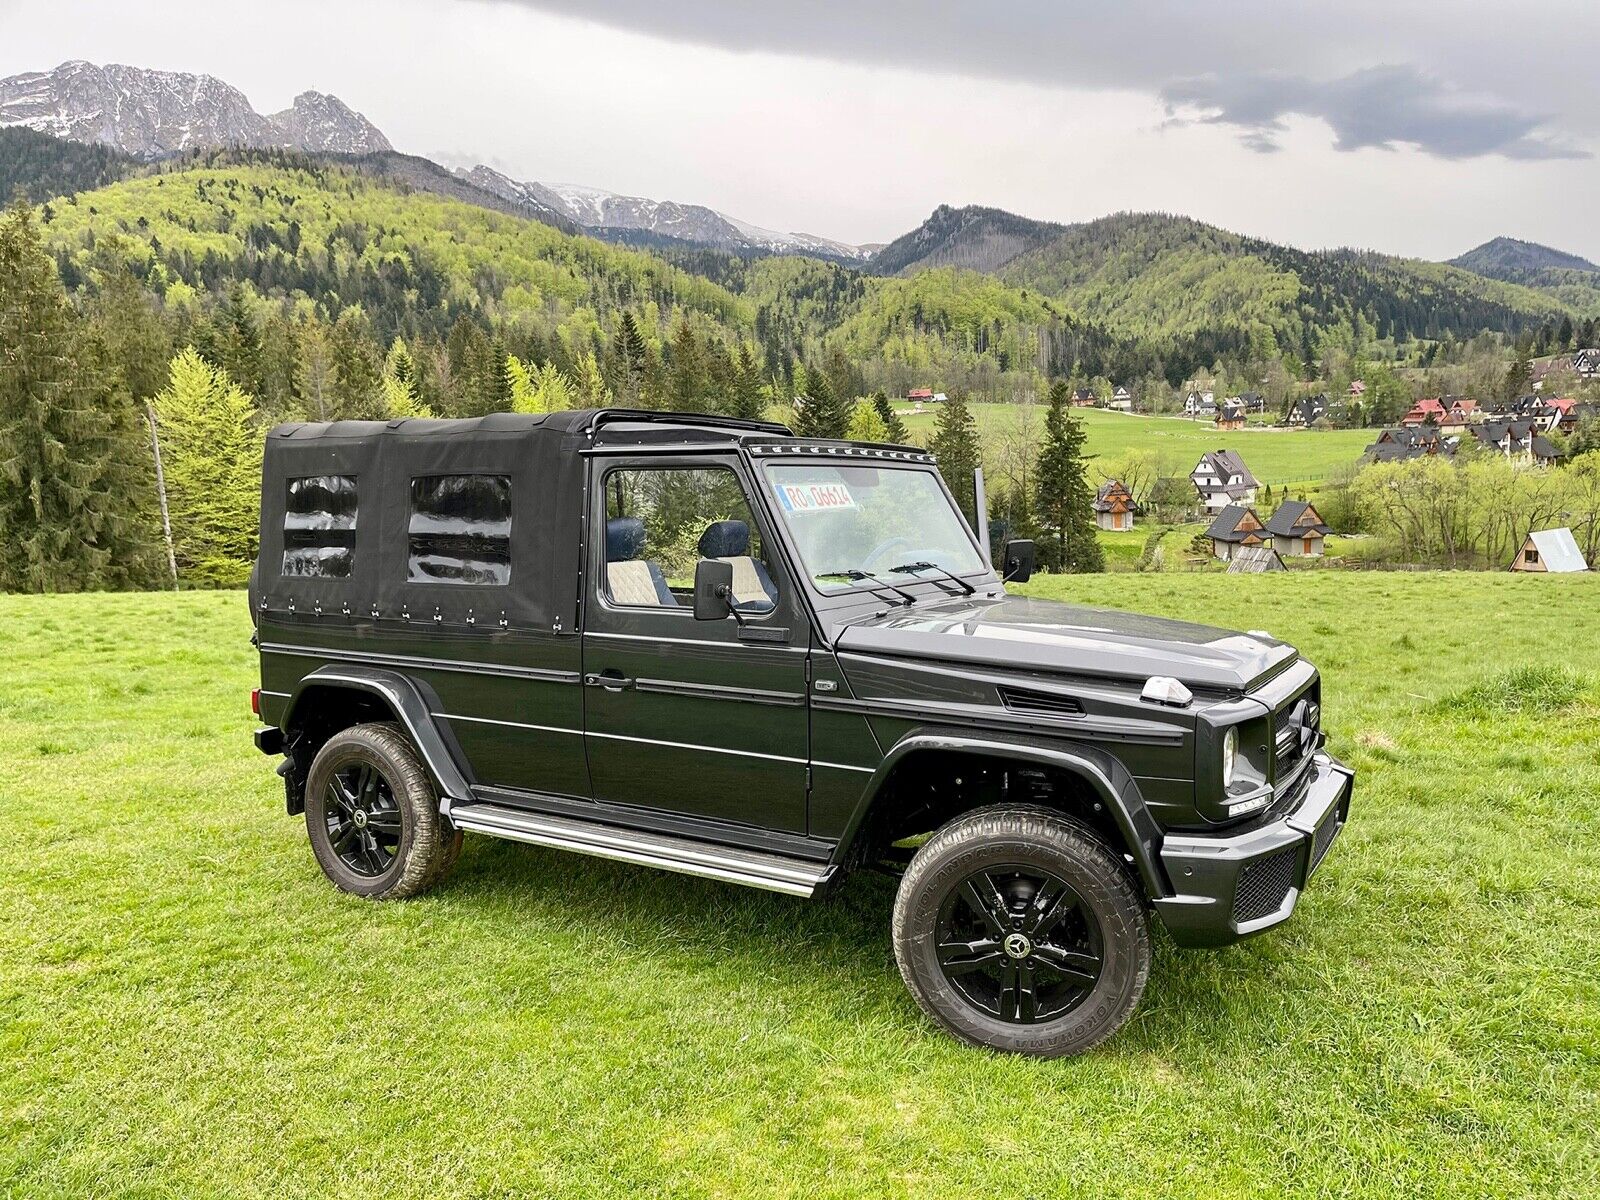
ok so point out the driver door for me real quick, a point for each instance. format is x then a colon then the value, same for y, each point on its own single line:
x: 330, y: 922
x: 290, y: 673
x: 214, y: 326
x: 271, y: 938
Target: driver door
x: 703, y: 718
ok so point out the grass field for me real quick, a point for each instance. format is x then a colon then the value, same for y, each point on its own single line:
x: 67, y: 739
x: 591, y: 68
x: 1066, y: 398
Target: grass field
x: 187, y: 1009
x: 1276, y: 456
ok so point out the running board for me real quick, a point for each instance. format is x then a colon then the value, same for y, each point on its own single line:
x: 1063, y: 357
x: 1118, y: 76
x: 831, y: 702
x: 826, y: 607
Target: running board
x: 773, y: 872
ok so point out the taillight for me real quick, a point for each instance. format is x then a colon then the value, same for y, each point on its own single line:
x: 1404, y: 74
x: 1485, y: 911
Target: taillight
x: 255, y: 701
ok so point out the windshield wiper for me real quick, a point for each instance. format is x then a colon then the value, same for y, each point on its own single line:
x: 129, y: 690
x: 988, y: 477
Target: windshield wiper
x: 913, y: 568
x: 856, y: 573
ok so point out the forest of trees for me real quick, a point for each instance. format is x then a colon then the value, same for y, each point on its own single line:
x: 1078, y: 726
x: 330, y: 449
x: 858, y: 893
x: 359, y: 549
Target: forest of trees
x: 202, y: 301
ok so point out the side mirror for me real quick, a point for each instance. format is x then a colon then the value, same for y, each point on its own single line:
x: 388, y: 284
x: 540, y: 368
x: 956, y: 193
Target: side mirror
x: 1020, y: 557
x: 713, y: 590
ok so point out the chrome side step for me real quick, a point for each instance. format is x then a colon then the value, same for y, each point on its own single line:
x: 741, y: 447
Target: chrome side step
x: 774, y: 873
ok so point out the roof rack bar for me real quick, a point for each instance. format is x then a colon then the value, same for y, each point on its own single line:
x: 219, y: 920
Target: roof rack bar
x: 607, y: 416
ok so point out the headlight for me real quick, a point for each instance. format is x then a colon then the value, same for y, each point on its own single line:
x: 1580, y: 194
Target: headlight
x: 1230, y: 757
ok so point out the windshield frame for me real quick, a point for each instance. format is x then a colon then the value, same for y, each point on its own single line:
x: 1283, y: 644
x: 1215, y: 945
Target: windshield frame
x: 878, y: 590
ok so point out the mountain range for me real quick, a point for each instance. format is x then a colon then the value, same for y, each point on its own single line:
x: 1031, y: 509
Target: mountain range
x: 1183, y: 288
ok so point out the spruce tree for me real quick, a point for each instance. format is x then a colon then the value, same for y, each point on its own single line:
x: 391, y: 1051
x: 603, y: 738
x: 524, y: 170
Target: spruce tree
x: 356, y: 391
x: 895, y: 429
x: 1063, y: 498
x: 688, y: 371
x: 748, y: 401
x: 823, y: 414
x: 70, y: 449
x: 955, y: 447
x: 211, y: 452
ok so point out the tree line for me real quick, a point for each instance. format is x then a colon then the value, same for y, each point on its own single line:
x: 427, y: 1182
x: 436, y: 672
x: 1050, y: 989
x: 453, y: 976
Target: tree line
x: 94, y: 393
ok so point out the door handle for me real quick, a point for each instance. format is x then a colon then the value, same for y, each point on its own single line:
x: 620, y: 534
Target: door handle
x: 612, y: 681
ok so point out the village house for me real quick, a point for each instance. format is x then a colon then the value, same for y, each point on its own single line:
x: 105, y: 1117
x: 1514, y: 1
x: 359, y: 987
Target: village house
x: 1084, y: 398
x: 1518, y: 440
x: 1306, y: 413
x: 1121, y: 399
x: 1357, y: 389
x: 1553, y: 412
x: 1423, y: 412
x: 1113, y: 506
x: 1587, y: 363
x: 1459, y: 413
x: 1297, y: 529
x: 1553, y: 550
x: 1408, y: 442
x: 1222, y: 479
x: 1231, y: 415
x: 919, y: 395
x: 1235, y: 528
x: 1199, y: 404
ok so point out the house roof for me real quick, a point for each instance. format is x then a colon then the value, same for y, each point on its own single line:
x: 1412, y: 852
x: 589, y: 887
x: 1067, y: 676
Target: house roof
x: 1226, y: 526
x: 1230, y: 412
x: 1114, y: 488
x: 1558, y: 550
x: 1282, y: 522
x: 1224, y: 465
x: 1255, y: 560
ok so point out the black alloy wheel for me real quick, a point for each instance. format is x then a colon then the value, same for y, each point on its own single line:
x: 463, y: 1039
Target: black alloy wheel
x: 1017, y: 943
x: 372, y: 815
x: 363, y: 820
x: 1020, y: 928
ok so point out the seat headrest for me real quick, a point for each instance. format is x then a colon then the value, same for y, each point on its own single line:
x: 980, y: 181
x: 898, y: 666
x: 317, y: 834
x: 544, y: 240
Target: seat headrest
x: 725, y: 539
x: 624, y: 538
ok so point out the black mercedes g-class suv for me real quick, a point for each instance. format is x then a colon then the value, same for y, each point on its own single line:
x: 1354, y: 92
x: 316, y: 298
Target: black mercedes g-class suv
x: 708, y: 646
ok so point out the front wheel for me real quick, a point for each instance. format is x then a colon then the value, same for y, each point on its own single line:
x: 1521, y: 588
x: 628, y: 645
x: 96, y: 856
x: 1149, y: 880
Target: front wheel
x: 1016, y: 928
x: 373, y: 816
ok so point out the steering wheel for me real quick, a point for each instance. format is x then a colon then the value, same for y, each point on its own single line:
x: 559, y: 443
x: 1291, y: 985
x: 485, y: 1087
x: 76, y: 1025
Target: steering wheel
x: 883, y: 550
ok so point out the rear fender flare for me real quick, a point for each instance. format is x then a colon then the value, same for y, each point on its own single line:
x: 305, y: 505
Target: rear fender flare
x: 1101, y: 772
x: 406, y: 702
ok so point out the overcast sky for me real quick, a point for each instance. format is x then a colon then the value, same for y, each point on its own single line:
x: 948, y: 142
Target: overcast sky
x: 1414, y: 128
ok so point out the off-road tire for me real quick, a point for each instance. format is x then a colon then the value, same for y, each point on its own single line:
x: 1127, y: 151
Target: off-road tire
x: 428, y: 847
x: 1068, y: 849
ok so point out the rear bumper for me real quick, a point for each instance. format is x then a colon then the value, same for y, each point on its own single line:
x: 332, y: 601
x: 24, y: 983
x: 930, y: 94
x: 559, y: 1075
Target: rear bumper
x: 1231, y: 887
x: 269, y: 740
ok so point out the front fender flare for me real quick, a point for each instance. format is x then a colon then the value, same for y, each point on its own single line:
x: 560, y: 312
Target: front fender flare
x: 403, y: 699
x: 1109, y: 779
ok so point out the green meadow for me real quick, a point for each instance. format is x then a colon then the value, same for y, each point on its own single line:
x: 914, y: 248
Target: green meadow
x: 187, y: 1009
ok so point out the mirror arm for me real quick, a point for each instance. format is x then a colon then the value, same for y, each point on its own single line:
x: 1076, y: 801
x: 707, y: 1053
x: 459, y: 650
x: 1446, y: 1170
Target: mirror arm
x: 726, y: 594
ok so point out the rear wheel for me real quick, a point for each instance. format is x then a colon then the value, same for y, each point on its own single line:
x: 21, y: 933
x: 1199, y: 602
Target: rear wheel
x: 1017, y: 928
x: 373, y: 817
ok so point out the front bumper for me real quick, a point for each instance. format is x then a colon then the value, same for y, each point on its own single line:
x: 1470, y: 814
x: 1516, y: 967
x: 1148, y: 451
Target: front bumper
x: 1230, y: 887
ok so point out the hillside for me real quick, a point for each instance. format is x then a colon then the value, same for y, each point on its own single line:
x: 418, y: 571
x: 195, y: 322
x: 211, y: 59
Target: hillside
x: 40, y: 166
x: 1510, y: 258
x: 1154, y: 275
x: 292, y: 227
x: 1565, y: 278
x: 979, y: 239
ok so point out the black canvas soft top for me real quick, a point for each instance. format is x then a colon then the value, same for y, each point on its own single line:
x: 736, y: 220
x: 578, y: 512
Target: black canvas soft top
x: 535, y: 455
x: 374, y: 465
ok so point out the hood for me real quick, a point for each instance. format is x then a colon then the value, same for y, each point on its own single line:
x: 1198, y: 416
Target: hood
x: 1046, y: 635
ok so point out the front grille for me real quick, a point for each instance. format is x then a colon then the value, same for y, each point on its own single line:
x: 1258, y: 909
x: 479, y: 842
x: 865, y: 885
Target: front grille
x: 1295, y: 726
x: 1043, y: 703
x: 1263, y: 885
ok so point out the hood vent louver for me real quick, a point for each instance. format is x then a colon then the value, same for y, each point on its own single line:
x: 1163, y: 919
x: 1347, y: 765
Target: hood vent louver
x: 1042, y: 704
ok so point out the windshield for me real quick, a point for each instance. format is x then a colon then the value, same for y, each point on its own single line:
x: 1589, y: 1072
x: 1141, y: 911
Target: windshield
x: 854, y: 525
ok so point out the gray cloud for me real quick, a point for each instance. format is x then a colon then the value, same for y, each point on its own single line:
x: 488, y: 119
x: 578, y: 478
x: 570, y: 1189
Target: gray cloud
x: 1475, y: 84
x: 1379, y: 107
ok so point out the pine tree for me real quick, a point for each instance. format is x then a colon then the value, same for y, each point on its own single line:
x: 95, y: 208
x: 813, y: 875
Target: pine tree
x: 1063, y: 498
x: 1517, y: 376
x: 688, y: 371
x: 822, y: 414
x: 356, y: 392
x: 748, y: 401
x: 955, y: 447
x: 211, y: 451
x: 316, y: 376
x: 894, y: 428
x: 70, y: 448
x: 589, y: 388
x: 632, y: 356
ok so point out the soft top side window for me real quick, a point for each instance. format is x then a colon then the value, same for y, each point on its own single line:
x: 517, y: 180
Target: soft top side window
x: 459, y: 530
x: 319, y: 527
x: 660, y: 521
